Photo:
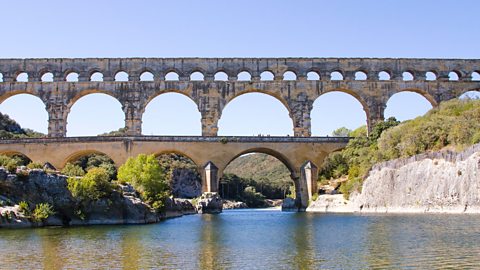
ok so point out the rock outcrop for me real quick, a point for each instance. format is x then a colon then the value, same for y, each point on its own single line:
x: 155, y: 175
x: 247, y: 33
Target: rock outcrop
x: 209, y: 203
x: 227, y: 204
x: 437, y: 182
x: 36, y: 186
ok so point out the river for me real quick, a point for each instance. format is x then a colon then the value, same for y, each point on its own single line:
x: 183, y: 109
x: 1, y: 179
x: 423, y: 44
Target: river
x: 253, y: 239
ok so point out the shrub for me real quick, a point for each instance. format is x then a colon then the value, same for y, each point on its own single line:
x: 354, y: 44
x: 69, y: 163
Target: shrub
x: 147, y: 177
x: 93, y: 186
x: 24, y: 208
x: 42, y: 211
x: 253, y: 198
x: 73, y: 170
x: 34, y: 165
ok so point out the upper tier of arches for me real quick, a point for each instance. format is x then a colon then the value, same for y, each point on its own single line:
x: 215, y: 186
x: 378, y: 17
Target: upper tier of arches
x: 237, y: 69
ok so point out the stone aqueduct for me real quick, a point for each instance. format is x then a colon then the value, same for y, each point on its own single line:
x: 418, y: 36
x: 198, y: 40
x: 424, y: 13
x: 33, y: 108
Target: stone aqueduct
x: 300, y: 153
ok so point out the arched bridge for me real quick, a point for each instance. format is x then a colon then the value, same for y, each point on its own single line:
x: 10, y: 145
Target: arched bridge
x: 371, y: 81
x: 295, y: 82
x: 211, y: 154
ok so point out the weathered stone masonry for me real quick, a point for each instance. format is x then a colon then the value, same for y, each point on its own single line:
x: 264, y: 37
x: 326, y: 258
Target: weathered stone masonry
x: 211, y: 96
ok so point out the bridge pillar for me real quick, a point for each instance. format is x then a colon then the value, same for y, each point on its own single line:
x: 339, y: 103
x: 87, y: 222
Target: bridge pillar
x: 57, y: 118
x: 133, y: 118
x: 210, y: 178
x: 375, y: 115
x: 209, y: 126
x: 300, y: 113
x: 309, y: 175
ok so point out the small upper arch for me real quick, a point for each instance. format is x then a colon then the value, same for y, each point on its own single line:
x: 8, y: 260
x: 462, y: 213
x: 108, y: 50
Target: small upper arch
x: 244, y: 75
x: 337, y: 75
x: 385, y: 75
x: 290, y: 75
x: 267, y: 75
x: 121, y: 76
x: 361, y: 75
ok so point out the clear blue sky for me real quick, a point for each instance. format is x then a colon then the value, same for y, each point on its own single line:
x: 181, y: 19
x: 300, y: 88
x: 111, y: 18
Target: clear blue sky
x: 270, y: 28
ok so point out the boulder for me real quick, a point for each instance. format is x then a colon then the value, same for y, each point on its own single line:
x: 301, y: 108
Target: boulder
x: 227, y: 204
x: 209, y: 203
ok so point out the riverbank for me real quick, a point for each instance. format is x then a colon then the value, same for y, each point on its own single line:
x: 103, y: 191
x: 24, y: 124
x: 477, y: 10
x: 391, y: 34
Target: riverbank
x: 34, y: 198
x: 435, y: 182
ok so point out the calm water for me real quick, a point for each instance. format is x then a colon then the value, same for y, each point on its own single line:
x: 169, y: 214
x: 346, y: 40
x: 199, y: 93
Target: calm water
x: 248, y: 239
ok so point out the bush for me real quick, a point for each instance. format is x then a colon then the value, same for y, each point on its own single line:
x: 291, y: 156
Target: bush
x: 93, y: 186
x: 42, y: 211
x: 24, y: 208
x: 147, y: 177
x: 73, y: 170
x: 34, y: 165
x: 253, y: 198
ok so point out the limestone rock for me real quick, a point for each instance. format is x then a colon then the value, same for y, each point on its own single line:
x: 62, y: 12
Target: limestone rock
x: 209, y: 203
x: 227, y: 204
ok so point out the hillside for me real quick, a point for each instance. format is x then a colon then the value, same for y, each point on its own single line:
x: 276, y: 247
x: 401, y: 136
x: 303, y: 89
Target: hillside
x: 452, y: 125
x: 9, y: 129
x: 267, y: 174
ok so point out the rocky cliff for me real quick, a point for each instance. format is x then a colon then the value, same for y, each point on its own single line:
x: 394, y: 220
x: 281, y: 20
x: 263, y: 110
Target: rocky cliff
x: 437, y: 182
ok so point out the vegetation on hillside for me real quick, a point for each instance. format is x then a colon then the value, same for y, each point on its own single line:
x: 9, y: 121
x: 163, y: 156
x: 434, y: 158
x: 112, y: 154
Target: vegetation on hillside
x: 94, y: 185
x: 9, y: 129
x: 452, y: 124
x: 265, y: 173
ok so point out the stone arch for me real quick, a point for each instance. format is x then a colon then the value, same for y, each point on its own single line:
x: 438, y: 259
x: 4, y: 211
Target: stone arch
x: 384, y: 75
x: 94, y: 73
x: 22, y: 76
x: 276, y: 96
x: 267, y: 75
x: 78, y: 154
x: 166, y: 91
x: 337, y: 75
x: 243, y: 74
x: 88, y: 92
x: 40, y: 113
x: 145, y: 74
x: 195, y: 160
x: 121, y: 76
x: 67, y: 72
x: 46, y: 75
x: 420, y: 97
x: 290, y: 75
x: 419, y: 91
x: 10, y: 94
x: 188, y: 120
x: 431, y: 75
x: 359, y: 99
x: 282, y: 158
x: 172, y: 72
x: 197, y: 75
x: 11, y: 153
x: 462, y: 92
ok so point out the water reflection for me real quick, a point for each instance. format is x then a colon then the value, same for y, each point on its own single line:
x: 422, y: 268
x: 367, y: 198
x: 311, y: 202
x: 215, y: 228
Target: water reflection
x: 304, y: 235
x: 253, y: 240
x: 210, y: 255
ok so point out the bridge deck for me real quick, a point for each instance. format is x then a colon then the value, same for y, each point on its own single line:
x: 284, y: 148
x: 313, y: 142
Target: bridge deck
x: 221, y: 139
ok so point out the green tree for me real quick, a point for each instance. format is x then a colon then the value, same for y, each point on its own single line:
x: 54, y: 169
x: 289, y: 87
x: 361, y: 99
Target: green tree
x: 72, y: 170
x: 147, y: 177
x: 341, y: 132
x: 93, y: 186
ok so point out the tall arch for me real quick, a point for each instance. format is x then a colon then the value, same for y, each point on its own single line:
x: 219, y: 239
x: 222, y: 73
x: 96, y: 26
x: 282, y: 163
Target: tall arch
x: 336, y: 109
x: 258, y: 166
x: 171, y: 113
x: 255, y: 113
x: 92, y: 113
x: 408, y: 104
x: 26, y: 109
